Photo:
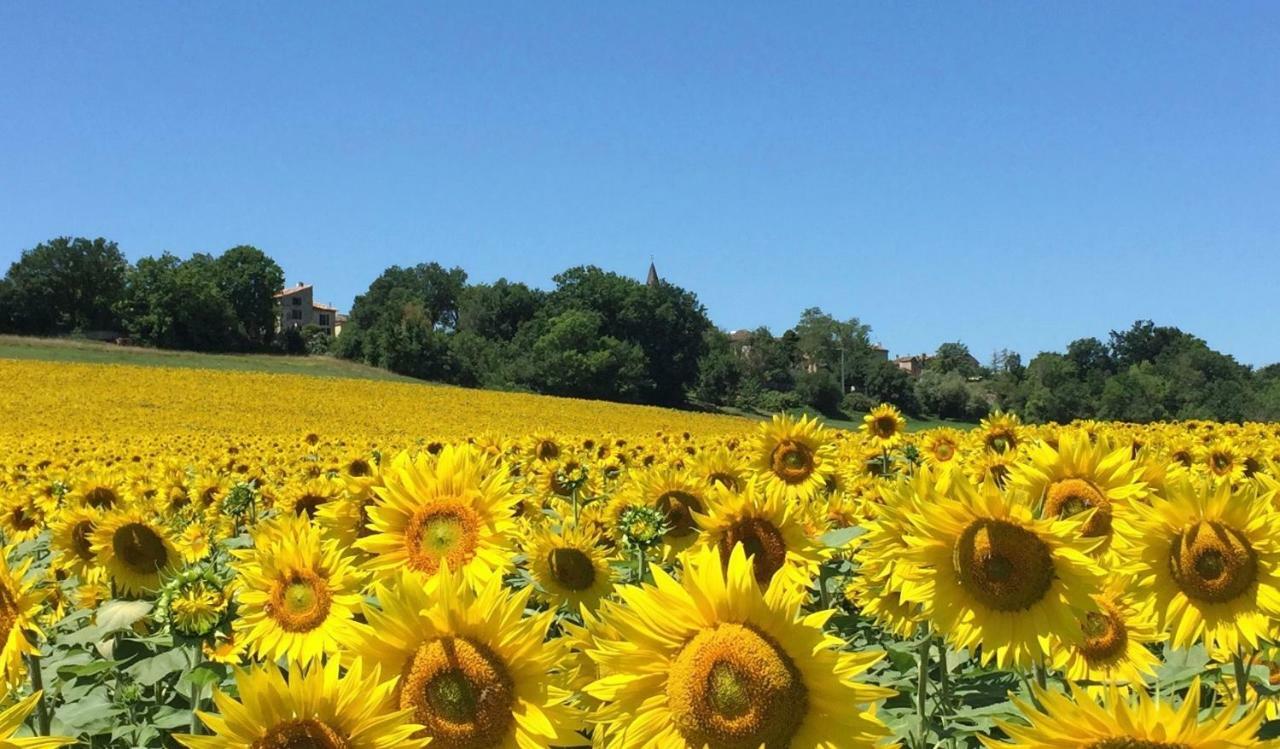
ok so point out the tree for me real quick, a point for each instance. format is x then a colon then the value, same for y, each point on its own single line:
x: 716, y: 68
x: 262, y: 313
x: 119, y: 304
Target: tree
x: 64, y: 285
x: 402, y: 322
x: 955, y: 357
x: 249, y: 280
x: 574, y: 356
x: 664, y: 322
x: 719, y: 370
x: 496, y: 311
x: 841, y: 347
x: 172, y: 303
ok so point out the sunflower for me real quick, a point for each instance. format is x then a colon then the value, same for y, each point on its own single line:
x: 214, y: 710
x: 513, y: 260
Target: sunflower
x: 314, y: 708
x: 884, y: 426
x: 771, y: 531
x: 453, y: 508
x: 309, y: 496
x: 1079, y: 475
x: 71, y: 538
x: 677, y: 494
x: 1222, y: 459
x: 12, y: 720
x: 794, y: 457
x: 21, y: 518
x: 101, y: 490
x: 1210, y: 554
x: 1079, y: 722
x: 298, y: 593
x: 715, y: 660
x: 570, y: 568
x: 469, y: 666
x: 941, y: 447
x: 1001, y: 432
x: 991, y: 575
x: 719, y: 466
x: 19, y: 609
x: 135, y: 550
x: 1113, y: 643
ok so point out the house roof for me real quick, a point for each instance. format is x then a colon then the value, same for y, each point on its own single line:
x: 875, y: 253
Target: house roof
x: 324, y: 307
x: 291, y: 290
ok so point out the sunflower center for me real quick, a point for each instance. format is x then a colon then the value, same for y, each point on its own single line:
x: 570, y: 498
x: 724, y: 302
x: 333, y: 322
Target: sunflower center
x: 101, y: 497
x: 140, y: 548
x: 547, y: 450
x: 727, y: 480
x: 1221, y: 463
x: 359, y: 467
x: 301, y: 734
x: 944, y: 451
x: 792, y: 461
x: 1213, y: 562
x: 460, y: 692
x: 762, y: 542
x: 1105, y: 636
x: 733, y: 687
x: 300, y: 602
x: 679, y: 507
x: 572, y: 568
x: 443, y: 531
x: 308, y: 503
x: 1004, y: 566
x: 81, y: 533
x: 1126, y: 742
x: 1070, y: 497
x: 21, y: 520
x: 885, y: 427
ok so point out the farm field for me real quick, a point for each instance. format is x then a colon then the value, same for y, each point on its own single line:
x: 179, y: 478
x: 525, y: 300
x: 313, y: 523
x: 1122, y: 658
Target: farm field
x: 245, y: 559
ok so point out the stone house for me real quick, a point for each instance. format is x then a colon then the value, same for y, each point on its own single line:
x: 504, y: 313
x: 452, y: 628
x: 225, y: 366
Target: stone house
x: 299, y: 309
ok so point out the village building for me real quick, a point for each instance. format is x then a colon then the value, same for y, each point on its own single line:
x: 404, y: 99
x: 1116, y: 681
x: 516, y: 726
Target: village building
x: 298, y: 309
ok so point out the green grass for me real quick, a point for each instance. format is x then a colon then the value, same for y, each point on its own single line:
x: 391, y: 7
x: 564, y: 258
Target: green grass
x: 73, y: 350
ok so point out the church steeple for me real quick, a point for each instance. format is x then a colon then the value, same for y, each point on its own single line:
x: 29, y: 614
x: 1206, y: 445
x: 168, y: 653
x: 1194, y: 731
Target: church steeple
x: 652, y: 280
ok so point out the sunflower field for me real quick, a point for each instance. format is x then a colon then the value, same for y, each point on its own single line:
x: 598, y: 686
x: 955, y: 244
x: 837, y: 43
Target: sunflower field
x: 213, y: 559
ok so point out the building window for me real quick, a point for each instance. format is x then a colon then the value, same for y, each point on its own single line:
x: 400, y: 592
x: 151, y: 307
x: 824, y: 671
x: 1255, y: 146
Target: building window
x: 297, y: 301
x: 324, y: 319
x: 297, y: 314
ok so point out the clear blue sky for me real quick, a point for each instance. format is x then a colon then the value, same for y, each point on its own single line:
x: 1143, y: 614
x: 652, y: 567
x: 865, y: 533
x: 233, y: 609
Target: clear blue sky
x: 1010, y: 175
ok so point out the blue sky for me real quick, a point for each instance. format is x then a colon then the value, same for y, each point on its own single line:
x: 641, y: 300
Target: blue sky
x: 1009, y: 175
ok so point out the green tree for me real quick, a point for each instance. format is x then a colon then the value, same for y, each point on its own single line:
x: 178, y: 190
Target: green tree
x: 573, y: 355
x: 172, y: 303
x: 496, y: 311
x: 719, y: 370
x: 64, y: 285
x: 403, y: 320
x: 249, y: 280
x: 954, y: 357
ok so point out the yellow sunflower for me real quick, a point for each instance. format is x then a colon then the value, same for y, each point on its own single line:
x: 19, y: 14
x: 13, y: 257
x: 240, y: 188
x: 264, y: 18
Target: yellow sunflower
x: 1078, y: 722
x: 941, y: 447
x: 19, y: 611
x: 1001, y: 432
x: 794, y: 457
x: 1112, y: 647
x: 719, y: 466
x: 715, y: 660
x: 453, y: 508
x: 1210, y: 555
x: 298, y: 593
x: 22, y: 517
x: 469, y: 666
x: 1079, y: 475
x: 314, y: 709
x: 135, y: 549
x: 771, y: 531
x: 884, y: 426
x: 570, y: 568
x: 309, y: 496
x: 12, y: 720
x: 990, y: 575
x: 71, y: 538
x: 677, y: 494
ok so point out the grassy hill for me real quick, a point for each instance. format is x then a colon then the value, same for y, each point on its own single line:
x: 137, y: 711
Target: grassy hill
x: 92, y: 352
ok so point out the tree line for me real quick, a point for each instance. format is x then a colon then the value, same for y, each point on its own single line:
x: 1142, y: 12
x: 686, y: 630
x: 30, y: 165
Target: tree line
x: 598, y: 334
x: 79, y: 286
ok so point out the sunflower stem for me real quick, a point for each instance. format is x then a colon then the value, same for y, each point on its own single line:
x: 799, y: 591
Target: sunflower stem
x: 1042, y: 675
x: 639, y: 564
x: 195, y: 690
x: 37, y: 685
x: 922, y: 689
x: 575, y: 507
x: 824, y: 574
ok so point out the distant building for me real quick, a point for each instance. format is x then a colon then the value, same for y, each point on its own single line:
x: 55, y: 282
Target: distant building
x: 652, y: 281
x: 298, y: 309
x: 880, y: 351
x: 915, y: 365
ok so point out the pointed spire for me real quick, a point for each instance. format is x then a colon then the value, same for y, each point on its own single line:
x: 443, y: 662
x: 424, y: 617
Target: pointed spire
x: 652, y: 280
